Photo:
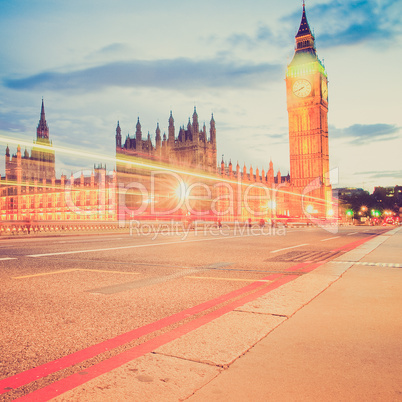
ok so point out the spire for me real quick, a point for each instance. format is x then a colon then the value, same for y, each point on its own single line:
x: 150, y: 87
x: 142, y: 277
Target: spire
x: 304, y: 37
x: 138, y: 133
x: 171, y: 130
x: 158, y: 138
x: 195, y: 122
x: 212, y: 131
x: 42, y: 130
x: 304, y: 28
x: 42, y: 112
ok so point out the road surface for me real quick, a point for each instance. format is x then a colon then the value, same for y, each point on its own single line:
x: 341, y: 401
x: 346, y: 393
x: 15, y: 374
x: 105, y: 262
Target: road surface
x: 71, y: 302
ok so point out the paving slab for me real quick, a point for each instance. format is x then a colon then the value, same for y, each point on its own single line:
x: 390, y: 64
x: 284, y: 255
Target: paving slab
x: 292, y: 296
x: 148, y: 378
x: 223, y: 340
x: 393, y: 245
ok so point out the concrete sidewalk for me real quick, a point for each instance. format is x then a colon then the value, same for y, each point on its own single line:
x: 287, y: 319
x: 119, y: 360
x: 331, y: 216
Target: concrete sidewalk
x: 346, y: 344
x: 332, y: 334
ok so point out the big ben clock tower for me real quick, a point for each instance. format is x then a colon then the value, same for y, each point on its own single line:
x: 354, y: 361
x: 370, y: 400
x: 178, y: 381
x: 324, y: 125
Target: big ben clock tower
x: 307, y: 104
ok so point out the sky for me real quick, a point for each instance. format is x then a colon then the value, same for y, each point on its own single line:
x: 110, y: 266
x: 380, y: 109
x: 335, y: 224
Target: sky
x: 96, y: 62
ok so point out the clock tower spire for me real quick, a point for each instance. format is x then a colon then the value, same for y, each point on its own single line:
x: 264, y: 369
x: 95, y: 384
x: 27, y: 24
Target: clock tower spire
x: 307, y: 104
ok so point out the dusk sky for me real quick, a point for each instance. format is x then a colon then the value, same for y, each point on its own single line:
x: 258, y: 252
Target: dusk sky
x: 96, y: 62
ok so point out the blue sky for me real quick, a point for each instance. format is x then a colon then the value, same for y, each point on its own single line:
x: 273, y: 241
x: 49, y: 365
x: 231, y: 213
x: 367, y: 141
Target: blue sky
x: 97, y: 62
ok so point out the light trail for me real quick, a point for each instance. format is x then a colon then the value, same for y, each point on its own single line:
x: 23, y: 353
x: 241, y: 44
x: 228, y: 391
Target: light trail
x: 149, y: 166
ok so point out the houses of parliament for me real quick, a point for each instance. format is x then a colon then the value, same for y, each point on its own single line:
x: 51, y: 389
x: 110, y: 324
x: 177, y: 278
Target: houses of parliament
x: 145, y: 181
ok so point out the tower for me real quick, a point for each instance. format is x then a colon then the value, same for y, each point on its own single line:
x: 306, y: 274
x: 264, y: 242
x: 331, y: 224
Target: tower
x: 138, y: 136
x: 212, y: 131
x: 158, y: 138
x: 171, y: 138
x: 307, y: 104
x: 118, y: 135
x: 42, y: 161
x: 42, y: 131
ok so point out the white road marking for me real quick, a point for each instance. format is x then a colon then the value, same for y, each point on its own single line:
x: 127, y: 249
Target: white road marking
x: 7, y: 258
x: 88, y: 241
x: 75, y: 270
x: 370, y: 264
x: 350, y: 234
x: 331, y: 238
x: 287, y: 248
x: 136, y: 246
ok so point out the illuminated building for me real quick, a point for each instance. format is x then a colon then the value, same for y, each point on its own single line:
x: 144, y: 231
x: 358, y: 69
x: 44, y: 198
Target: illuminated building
x: 37, y: 166
x: 191, y: 148
x: 30, y: 192
x: 149, y: 174
x: 307, y: 104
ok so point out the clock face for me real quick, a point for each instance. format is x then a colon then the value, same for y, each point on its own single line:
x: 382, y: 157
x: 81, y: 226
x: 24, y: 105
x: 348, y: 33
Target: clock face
x: 324, y: 90
x: 301, y: 88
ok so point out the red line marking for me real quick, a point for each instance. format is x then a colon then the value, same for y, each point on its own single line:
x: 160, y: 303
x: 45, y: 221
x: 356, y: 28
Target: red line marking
x: 75, y: 380
x: 354, y: 244
x: 44, y: 370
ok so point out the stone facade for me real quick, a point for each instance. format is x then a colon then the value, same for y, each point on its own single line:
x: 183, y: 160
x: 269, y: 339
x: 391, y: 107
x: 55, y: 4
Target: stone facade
x: 37, y: 166
x: 191, y: 148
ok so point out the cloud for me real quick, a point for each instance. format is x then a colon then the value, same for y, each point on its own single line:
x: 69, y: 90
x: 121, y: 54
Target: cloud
x: 178, y: 73
x: 360, y: 134
x: 353, y: 22
x: 263, y: 35
x: 339, y: 23
x: 114, y: 48
x: 393, y: 174
x: 6, y: 125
